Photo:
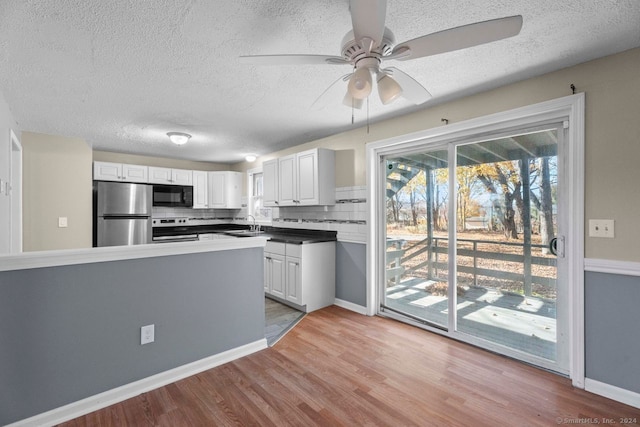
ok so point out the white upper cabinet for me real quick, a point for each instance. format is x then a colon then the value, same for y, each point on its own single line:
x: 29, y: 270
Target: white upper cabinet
x: 270, y: 182
x: 106, y: 171
x: 182, y: 177
x: 159, y: 175
x: 200, y: 189
x: 305, y: 178
x: 287, y: 181
x: 170, y: 176
x: 135, y: 173
x: 225, y: 190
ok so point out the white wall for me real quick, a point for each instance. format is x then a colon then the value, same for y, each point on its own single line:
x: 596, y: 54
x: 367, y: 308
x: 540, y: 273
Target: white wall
x: 106, y: 156
x: 7, y: 123
x: 57, y: 183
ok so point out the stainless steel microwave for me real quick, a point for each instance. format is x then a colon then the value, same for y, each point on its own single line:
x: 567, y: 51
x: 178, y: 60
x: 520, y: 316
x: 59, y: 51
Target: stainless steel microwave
x: 176, y: 196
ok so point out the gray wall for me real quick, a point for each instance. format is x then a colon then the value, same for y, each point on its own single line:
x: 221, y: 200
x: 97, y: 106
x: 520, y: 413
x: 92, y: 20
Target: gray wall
x: 74, y: 331
x: 351, y: 272
x: 612, y: 339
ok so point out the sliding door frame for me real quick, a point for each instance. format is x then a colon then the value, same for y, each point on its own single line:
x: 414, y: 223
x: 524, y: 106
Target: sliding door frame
x: 571, y: 107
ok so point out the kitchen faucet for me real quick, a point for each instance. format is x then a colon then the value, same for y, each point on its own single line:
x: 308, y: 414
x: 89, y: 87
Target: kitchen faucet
x: 253, y: 227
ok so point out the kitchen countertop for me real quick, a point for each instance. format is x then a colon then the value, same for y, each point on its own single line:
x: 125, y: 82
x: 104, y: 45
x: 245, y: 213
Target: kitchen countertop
x: 276, y: 234
x: 285, y: 235
x: 60, y: 257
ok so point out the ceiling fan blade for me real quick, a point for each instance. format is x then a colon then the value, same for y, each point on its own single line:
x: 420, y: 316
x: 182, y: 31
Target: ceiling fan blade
x: 411, y: 89
x: 330, y: 93
x: 457, y: 38
x: 367, y: 17
x: 292, y: 59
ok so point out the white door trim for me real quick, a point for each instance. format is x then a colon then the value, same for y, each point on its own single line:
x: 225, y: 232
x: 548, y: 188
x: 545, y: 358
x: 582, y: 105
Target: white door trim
x: 571, y: 107
x: 15, y: 200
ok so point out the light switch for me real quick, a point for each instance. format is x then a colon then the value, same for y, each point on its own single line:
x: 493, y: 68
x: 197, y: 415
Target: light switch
x: 601, y: 228
x: 62, y: 222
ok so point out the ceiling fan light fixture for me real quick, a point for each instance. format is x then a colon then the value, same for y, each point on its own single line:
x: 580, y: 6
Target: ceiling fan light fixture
x: 178, y: 138
x: 352, y: 102
x: 360, y: 83
x: 388, y: 89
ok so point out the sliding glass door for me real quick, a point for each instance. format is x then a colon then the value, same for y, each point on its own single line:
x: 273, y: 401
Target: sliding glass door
x: 417, y: 272
x: 472, y: 241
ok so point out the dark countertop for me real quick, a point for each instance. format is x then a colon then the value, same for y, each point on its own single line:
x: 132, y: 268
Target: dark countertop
x: 275, y: 234
x: 287, y: 235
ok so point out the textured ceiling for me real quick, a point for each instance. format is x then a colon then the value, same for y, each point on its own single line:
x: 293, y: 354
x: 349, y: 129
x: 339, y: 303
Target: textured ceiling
x: 120, y: 74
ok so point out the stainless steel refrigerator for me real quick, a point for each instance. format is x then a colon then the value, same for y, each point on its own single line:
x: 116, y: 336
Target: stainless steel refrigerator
x: 122, y: 213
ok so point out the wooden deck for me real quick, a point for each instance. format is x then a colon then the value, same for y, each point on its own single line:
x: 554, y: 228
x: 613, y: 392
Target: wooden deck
x: 523, y: 323
x: 338, y: 368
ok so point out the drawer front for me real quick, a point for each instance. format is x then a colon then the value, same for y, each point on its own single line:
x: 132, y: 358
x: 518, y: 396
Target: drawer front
x: 294, y: 250
x: 275, y: 248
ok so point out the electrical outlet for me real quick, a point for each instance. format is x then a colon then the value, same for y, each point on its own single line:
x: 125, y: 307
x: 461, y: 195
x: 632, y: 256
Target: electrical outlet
x: 62, y: 222
x: 601, y: 228
x: 147, y: 334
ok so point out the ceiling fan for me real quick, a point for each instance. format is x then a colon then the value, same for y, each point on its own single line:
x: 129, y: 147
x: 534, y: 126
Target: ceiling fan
x: 370, y: 43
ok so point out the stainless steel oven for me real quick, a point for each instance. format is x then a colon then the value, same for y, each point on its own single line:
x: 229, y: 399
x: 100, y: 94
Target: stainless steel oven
x: 167, y: 230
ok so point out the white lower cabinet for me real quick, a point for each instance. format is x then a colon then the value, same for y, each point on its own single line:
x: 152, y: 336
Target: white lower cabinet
x: 278, y: 278
x: 303, y: 275
x: 294, y: 280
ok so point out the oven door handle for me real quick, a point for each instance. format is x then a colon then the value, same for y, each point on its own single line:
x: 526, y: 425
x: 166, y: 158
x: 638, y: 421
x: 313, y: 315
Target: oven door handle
x: 181, y: 238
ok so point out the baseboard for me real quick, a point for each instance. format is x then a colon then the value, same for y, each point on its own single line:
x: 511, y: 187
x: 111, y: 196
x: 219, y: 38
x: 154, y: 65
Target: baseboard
x: 351, y: 306
x: 612, y: 392
x: 127, y: 391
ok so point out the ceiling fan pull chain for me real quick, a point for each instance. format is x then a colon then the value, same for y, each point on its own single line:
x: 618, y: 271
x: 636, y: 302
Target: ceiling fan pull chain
x: 353, y: 108
x: 367, y: 114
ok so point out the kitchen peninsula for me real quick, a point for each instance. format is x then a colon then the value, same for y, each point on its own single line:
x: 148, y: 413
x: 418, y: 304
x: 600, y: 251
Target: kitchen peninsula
x: 73, y: 321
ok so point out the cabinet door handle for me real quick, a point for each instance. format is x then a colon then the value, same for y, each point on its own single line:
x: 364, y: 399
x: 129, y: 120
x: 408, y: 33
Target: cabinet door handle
x: 277, y: 202
x: 268, y: 258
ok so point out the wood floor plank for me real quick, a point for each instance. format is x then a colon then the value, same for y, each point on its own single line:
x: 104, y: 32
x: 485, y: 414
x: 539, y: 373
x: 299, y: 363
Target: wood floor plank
x: 341, y: 368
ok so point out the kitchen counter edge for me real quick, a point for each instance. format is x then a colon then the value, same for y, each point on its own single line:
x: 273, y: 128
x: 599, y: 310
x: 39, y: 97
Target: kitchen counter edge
x: 56, y: 258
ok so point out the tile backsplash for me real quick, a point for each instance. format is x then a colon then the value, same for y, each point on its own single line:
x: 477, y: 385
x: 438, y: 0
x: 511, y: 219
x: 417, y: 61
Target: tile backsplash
x: 348, y: 216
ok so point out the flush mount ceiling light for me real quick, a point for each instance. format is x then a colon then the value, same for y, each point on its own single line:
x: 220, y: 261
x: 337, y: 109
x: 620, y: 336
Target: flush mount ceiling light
x: 250, y: 158
x: 178, y: 138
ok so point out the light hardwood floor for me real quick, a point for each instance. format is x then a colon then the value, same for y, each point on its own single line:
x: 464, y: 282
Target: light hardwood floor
x: 340, y: 368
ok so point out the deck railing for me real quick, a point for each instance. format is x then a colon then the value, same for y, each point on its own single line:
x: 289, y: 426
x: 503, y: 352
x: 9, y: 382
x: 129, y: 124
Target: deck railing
x: 398, y: 254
